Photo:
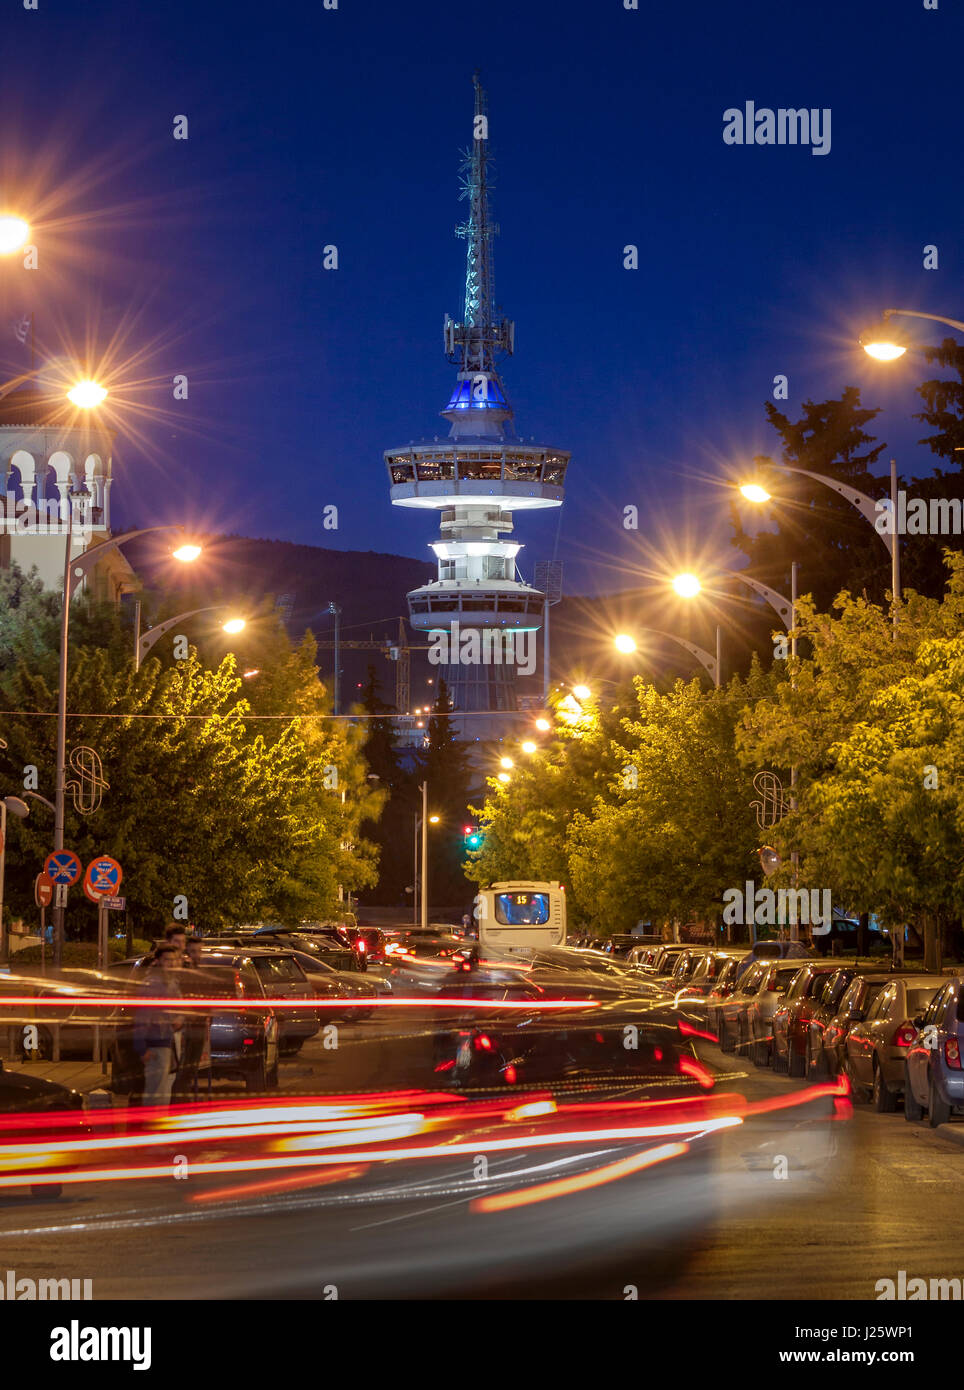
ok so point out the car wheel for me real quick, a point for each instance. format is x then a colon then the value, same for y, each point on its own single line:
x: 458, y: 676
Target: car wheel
x: 913, y: 1110
x: 816, y: 1066
x: 796, y: 1065
x: 725, y: 1043
x: 779, y: 1058
x: 256, y: 1077
x: 938, y: 1110
x: 885, y: 1099
x: 857, y: 1091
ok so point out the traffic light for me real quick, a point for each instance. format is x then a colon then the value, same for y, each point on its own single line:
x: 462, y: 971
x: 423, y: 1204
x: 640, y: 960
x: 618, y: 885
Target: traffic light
x: 472, y: 836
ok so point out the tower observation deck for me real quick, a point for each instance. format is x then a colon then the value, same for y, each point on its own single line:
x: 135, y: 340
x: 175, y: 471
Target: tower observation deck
x: 479, y: 476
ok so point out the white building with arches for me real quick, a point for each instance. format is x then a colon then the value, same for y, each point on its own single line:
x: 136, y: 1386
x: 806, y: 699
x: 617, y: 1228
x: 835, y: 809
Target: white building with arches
x: 47, y: 453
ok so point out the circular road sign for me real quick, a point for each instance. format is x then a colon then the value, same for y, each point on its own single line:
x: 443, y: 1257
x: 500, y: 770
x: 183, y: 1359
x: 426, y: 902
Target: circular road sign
x: 62, y: 866
x: 103, y: 877
x: 43, y: 891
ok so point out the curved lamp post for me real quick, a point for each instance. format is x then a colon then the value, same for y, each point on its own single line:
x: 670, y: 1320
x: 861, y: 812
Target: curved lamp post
x: 144, y: 642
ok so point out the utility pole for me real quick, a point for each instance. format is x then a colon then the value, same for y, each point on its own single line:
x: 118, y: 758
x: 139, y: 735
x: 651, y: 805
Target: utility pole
x: 334, y: 609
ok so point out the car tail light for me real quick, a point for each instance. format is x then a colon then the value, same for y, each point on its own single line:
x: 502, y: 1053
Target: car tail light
x: 952, y: 1053
x: 483, y: 1043
x: 510, y: 1074
x: 905, y: 1034
x: 361, y: 946
x: 248, y: 1042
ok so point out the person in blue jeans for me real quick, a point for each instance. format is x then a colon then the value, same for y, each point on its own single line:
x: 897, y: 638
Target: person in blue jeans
x: 157, y: 1031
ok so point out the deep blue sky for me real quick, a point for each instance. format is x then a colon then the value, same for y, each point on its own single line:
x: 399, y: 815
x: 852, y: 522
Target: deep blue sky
x: 310, y: 127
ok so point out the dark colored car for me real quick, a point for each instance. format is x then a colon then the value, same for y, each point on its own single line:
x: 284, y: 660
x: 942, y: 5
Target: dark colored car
x: 843, y: 1001
x: 368, y: 943
x: 244, y: 1043
x: 877, y: 1047
x: 935, y: 1078
x: 328, y: 983
x: 709, y: 971
x: 791, y: 1020
x: 325, y: 943
x: 21, y: 1094
x: 575, y: 1050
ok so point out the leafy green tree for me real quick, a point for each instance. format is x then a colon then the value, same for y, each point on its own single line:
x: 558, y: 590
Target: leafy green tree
x: 245, y: 799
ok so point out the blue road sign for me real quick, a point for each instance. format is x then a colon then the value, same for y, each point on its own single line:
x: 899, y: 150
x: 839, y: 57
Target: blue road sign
x: 62, y: 867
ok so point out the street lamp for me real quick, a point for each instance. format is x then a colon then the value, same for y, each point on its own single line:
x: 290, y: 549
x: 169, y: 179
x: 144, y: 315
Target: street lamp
x: 543, y: 725
x: 626, y: 644
x: 143, y: 642
x: 886, y: 341
x: 506, y: 763
x: 504, y: 777
x: 687, y: 585
x: 865, y: 505
x: 14, y: 232
x: 529, y: 746
x: 87, y: 394
x: 582, y: 692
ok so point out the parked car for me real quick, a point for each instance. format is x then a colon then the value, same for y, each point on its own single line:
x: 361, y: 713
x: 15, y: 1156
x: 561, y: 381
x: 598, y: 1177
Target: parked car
x: 725, y: 984
x: 327, y: 944
x: 791, y: 1018
x: 934, y: 1079
x: 877, y: 1047
x: 664, y: 958
x: 774, y: 950
x: 763, y: 1005
x: 709, y: 969
x: 729, y: 1013
x: 328, y: 983
x: 843, y: 1001
x: 684, y: 967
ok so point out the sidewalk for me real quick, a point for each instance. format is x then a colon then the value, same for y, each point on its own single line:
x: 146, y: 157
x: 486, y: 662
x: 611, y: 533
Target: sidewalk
x: 80, y: 1075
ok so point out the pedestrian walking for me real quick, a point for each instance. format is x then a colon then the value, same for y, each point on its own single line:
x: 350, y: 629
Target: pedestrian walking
x: 156, y: 1031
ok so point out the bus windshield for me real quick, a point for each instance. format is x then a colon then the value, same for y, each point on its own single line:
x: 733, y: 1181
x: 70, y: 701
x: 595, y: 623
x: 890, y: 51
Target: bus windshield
x: 522, y: 909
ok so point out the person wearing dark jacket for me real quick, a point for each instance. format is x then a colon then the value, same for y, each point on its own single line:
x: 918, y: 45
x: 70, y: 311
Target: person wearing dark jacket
x: 157, y: 1031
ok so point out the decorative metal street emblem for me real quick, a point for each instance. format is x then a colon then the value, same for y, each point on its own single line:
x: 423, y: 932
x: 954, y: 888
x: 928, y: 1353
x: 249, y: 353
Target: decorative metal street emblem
x: 89, y: 788
x: 773, y: 805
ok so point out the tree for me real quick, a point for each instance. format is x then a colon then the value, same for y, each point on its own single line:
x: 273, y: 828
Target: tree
x: 229, y: 806
x: 944, y: 402
x: 863, y: 720
x: 392, y: 830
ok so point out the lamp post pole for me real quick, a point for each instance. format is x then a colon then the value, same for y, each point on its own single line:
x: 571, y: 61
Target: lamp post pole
x: 425, y: 854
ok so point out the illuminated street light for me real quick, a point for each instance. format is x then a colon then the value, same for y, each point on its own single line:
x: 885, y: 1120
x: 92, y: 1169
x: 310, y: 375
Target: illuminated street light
x: 529, y: 746
x: 543, y: 725
x: 753, y: 492
x: 687, y: 585
x: 87, y: 394
x: 255, y: 671
x: 504, y: 777
x: 186, y: 553
x: 624, y: 643
x: 582, y: 692
x: 234, y: 625
x: 507, y: 763
x: 13, y: 234
x: 433, y: 820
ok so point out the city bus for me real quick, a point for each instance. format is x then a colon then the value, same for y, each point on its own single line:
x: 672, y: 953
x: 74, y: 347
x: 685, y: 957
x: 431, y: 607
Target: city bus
x: 520, y: 915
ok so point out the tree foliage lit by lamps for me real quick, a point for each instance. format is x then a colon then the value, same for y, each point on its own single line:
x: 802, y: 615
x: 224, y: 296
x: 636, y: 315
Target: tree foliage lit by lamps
x: 75, y: 570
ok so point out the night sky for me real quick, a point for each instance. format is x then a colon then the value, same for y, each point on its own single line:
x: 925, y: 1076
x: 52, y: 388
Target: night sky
x: 310, y: 127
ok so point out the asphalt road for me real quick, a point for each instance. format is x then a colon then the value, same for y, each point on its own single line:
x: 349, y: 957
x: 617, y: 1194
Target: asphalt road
x: 860, y: 1199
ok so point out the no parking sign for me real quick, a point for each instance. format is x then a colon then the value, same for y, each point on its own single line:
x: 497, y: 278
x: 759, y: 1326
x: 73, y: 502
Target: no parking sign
x: 103, y: 877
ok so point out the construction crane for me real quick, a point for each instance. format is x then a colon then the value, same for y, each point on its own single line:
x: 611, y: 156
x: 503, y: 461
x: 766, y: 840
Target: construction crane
x: 400, y: 652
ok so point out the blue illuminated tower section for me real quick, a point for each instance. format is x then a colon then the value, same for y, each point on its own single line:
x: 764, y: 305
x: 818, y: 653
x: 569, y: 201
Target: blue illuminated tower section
x: 481, y: 475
